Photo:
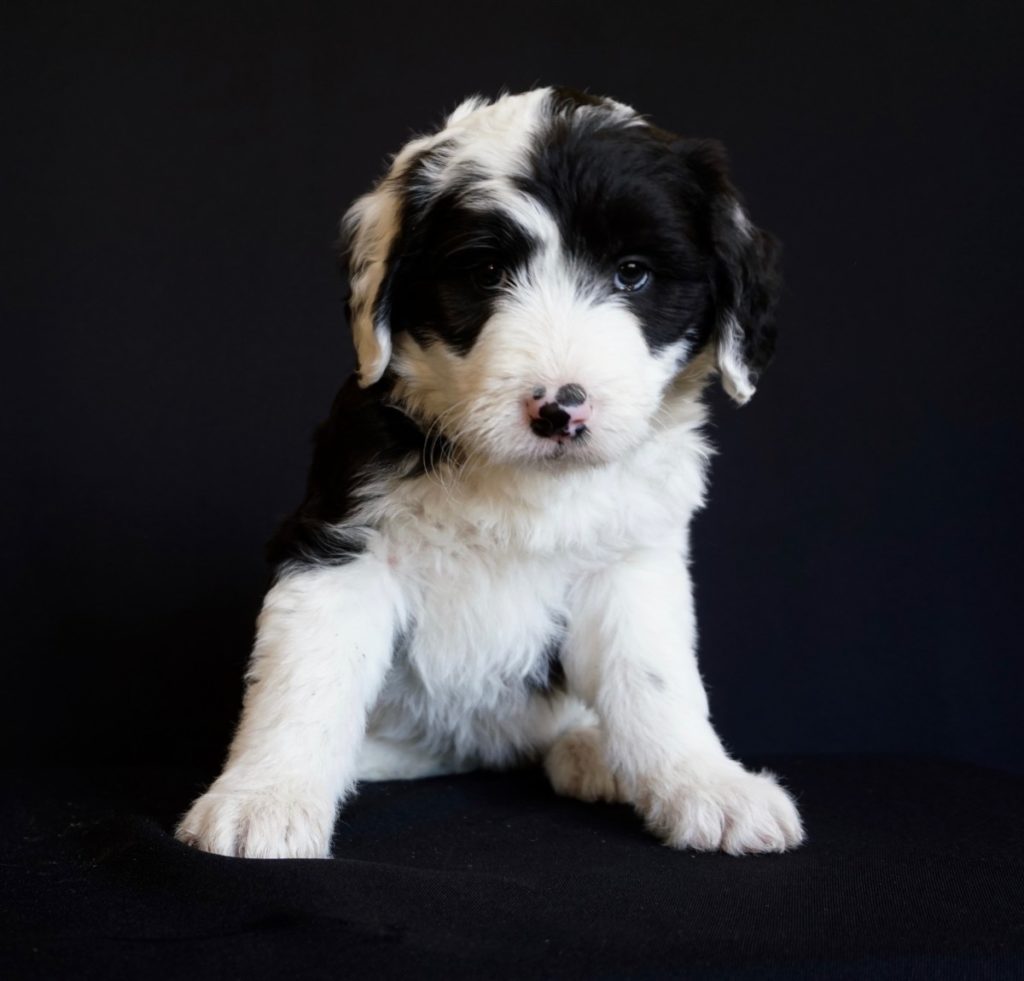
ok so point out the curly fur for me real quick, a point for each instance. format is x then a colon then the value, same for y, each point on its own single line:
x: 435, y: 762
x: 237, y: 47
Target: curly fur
x: 481, y: 574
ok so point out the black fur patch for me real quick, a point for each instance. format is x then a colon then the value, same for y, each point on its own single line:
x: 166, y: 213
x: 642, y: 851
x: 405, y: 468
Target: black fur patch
x: 436, y: 288
x: 617, y: 191
x: 746, y: 275
x: 364, y: 436
x: 620, y: 192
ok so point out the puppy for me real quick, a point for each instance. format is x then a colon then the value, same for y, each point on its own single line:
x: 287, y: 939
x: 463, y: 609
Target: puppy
x: 491, y: 562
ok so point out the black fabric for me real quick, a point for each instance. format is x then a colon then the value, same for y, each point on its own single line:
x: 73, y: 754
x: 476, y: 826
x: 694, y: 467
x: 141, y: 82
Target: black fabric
x: 914, y: 869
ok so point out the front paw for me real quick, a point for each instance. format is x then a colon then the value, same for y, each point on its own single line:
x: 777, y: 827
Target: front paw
x: 267, y: 822
x: 725, y: 809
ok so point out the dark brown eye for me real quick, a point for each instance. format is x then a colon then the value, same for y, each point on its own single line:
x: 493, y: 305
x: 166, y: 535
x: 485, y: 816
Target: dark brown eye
x: 631, y: 276
x: 490, y: 276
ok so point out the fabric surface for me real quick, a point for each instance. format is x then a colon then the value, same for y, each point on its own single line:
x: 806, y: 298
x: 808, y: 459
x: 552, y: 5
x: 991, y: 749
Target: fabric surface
x: 913, y: 869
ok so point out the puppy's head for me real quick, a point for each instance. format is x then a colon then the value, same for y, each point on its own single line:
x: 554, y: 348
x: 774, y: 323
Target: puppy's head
x: 535, y: 276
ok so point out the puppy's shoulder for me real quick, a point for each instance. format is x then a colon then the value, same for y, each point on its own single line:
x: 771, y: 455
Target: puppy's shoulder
x: 365, y: 437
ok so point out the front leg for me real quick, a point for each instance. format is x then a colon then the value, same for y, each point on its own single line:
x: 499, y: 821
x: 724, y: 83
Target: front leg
x: 323, y: 645
x: 631, y: 655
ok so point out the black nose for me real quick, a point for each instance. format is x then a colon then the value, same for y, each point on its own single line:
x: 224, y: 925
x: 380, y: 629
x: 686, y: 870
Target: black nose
x: 570, y: 395
x: 553, y: 419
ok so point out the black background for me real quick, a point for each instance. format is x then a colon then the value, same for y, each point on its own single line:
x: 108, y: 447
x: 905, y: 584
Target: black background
x: 172, y: 330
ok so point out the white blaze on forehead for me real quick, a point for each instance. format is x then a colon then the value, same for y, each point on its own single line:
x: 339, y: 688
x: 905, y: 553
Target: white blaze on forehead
x: 528, y: 214
x: 493, y: 144
x: 512, y: 108
x: 494, y: 140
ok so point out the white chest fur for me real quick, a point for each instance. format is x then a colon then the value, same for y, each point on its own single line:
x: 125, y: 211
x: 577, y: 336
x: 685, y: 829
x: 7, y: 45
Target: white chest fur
x: 487, y: 562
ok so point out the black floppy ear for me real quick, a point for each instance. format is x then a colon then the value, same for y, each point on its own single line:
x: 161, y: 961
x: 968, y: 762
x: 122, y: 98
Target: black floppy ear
x: 373, y: 232
x: 745, y: 274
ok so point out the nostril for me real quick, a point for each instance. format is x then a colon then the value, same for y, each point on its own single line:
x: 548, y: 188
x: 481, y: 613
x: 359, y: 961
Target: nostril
x: 570, y: 395
x: 542, y: 427
x: 554, y: 415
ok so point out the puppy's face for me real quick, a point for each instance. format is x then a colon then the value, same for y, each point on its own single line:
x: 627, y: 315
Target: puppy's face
x: 534, y: 277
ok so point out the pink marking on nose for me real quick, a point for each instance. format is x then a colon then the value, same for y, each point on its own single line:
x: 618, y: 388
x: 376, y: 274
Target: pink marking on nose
x: 579, y: 415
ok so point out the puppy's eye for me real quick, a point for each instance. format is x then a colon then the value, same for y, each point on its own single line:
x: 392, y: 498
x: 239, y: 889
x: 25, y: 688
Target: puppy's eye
x: 631, y: 276
x: 490, y: 276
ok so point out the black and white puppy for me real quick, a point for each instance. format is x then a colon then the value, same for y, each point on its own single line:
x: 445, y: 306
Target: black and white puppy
x: 490, y: 565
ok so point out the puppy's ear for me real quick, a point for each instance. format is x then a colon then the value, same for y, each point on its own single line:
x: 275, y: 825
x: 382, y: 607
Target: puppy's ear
x: 745, y: 278
x: 369, y: 231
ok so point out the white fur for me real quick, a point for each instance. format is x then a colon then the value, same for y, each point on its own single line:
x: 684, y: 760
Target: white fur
x: 324, y: 642
x: 736, y: 377
x: 486, y: 567
x: 576, y: 765
x: 424, y: 654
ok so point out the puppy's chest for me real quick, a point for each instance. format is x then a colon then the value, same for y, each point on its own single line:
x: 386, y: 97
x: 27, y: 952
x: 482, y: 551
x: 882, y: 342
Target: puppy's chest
x: 488, y: 597
x: 489, y: 573
x: 482, y: 620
